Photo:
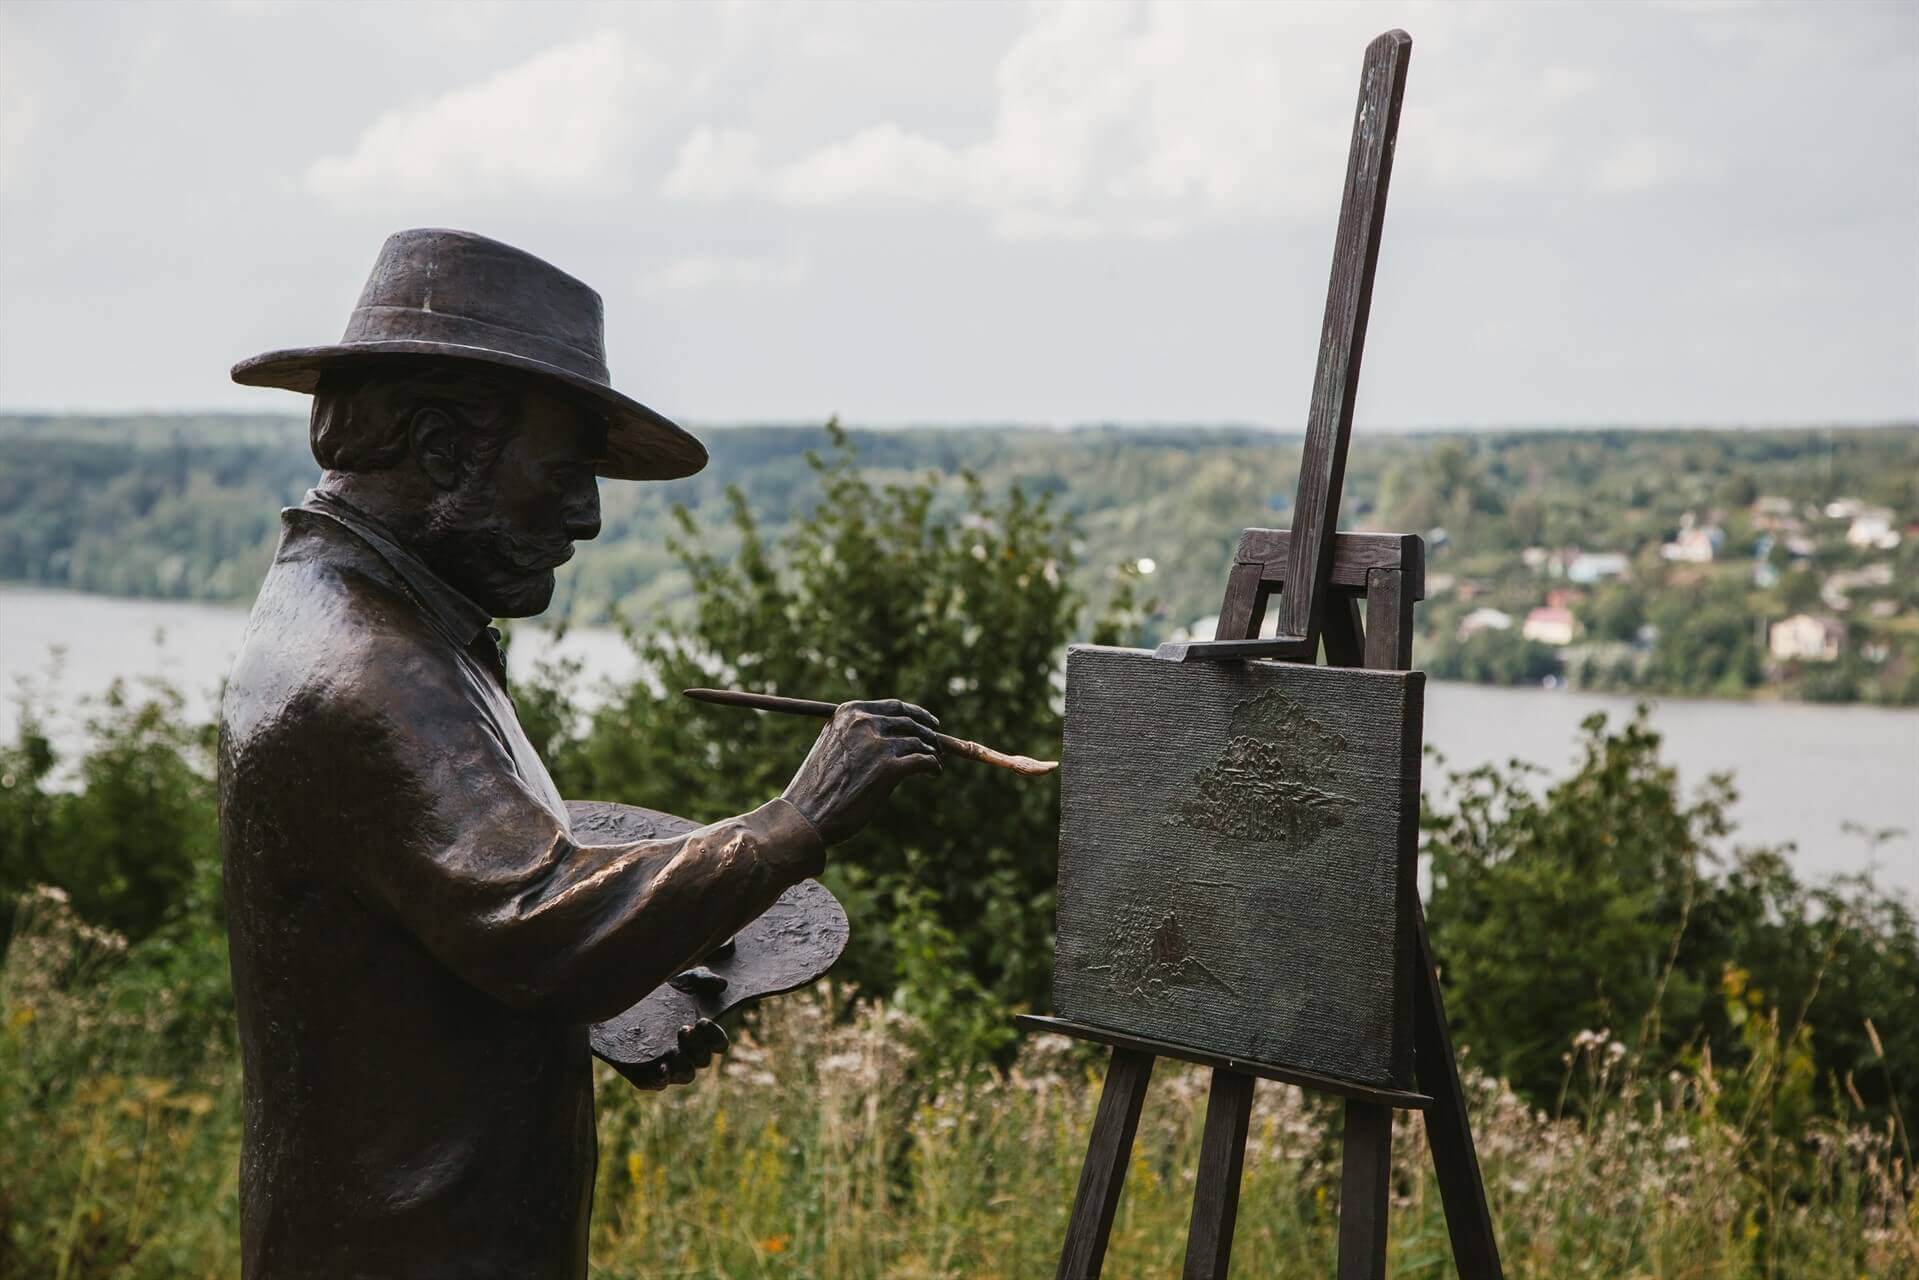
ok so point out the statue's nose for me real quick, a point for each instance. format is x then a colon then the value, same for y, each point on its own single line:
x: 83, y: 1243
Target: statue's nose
x: 583, y: 515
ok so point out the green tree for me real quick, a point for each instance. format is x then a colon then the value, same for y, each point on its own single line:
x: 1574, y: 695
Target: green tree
x: 131, y: 841
x: 871, y: 594
x: 1707, y: 644
x: 1495, y: 656
x: 1606, y: 901
x: 26, y: 815
x: 1615, y: 612
x: 1553, y: 913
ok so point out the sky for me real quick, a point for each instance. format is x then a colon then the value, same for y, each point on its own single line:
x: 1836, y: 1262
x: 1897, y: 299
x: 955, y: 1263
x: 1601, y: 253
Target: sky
x: 1630, y: 214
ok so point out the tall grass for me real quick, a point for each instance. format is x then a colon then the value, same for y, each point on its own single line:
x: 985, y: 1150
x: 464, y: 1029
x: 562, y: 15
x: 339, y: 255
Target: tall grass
x: 817, y: 1150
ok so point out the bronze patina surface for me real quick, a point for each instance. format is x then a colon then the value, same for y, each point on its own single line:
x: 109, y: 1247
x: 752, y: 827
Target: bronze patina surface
x: 793, y: 942
x: 421, y: 939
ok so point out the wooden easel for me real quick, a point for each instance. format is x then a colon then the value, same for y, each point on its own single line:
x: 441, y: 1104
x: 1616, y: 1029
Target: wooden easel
x: 1353, y: 593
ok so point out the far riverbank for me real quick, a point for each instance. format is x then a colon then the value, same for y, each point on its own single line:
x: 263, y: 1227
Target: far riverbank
x: 1802, y: 769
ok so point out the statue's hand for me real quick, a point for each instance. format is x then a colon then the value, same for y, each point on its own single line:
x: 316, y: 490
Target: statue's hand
x: 864, y: 751
x: 698, y: 1045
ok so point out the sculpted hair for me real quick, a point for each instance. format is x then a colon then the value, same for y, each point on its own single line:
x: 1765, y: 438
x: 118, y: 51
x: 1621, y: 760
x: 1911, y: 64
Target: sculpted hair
x: 360, y: 415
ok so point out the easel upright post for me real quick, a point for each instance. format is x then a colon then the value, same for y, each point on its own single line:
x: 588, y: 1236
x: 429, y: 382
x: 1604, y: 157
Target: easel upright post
x: 1342, y: 339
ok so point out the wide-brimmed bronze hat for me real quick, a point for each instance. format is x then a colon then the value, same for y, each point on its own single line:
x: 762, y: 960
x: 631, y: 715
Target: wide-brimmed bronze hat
x: 455, y: 295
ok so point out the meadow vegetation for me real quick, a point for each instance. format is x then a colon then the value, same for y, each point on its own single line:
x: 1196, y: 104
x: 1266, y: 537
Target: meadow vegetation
x: 1684, y: 1062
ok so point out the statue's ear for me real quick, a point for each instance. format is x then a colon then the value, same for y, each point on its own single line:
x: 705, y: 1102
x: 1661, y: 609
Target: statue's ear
x: 437, y: 445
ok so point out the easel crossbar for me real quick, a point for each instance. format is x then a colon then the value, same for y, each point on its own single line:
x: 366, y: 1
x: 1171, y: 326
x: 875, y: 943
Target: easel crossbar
x: 1402, y: 1099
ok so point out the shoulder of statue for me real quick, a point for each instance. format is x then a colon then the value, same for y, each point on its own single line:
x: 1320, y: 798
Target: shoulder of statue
x: 336, y: 627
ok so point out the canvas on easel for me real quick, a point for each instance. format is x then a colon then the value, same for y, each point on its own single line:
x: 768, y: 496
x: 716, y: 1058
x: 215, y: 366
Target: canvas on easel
x: 1237, y: 848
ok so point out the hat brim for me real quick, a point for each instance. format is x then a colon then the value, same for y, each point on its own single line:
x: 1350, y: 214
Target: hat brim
x: 640, y: 444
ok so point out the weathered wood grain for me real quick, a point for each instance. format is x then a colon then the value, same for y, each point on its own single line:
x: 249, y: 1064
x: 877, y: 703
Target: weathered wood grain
x: 1365, y: 1185
x: 1342, y: 341
x: 1237, y: 845
x: 1108, y: 1152
x: 1354, y: 554
x: 1469, y: 1224
x: 1222, y: 1155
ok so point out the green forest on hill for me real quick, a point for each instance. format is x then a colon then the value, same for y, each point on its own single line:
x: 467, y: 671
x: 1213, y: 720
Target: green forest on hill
x: 183, y: 507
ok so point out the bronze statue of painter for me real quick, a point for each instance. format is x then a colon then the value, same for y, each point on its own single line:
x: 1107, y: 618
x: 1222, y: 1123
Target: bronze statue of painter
x: 418, y: 941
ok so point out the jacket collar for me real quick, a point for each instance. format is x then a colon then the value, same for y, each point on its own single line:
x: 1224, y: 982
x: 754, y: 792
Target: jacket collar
x: 449, y: 609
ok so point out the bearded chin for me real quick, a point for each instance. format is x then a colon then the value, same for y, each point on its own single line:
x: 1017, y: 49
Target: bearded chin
x: 503, y: 572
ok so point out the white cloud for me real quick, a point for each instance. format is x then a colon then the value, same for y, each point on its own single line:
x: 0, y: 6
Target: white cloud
x: 883, y: 165
x: 1147, y: 121
x: 1107, y: 118
x: 1634, y: 166
x: 1150, y: 120
x: 20, y: 96
x: 19, y: 113
x: 715, y: 164
x: 559, y: 122
x: 706, y: 271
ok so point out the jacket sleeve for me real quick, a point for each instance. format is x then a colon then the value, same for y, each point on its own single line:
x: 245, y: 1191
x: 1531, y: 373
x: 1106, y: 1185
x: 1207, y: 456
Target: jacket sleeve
x: 478, y: 865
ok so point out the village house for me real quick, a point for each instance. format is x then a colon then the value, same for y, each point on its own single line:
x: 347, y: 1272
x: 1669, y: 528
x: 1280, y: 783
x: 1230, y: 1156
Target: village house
x: 1694, y: 543
x: 1484, y: 619
x: 1836, y: 591
x: 1807, y: 637
x: 1552, y: 625
x: 1589, y: 567
x: 1872, y: 529
x: 1581, y: 567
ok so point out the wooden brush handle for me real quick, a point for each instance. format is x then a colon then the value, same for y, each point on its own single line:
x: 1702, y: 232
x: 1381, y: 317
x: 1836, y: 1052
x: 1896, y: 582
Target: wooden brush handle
x: 1025, y: 765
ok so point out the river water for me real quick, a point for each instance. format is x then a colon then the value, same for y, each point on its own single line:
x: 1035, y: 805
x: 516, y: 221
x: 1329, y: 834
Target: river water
x: 1802, y: 770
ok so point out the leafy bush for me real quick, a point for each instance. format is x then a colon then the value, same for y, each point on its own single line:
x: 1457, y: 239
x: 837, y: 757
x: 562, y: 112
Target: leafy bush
x: 1602, y: 902
x: 132, y: 841
x: 871, y: 595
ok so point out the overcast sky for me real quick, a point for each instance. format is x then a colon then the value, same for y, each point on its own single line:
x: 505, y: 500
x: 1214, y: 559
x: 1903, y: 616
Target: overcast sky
x: 922, y: 213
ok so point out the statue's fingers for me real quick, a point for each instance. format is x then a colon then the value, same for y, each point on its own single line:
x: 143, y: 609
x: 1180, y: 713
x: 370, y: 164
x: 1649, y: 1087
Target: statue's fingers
x: 695, y: 1050
x: 907, y: 727
x: 713, y: 1033
x: 894, y: 707
x: 913, y: 756
x: 698, y: 981
x: 920, y: 714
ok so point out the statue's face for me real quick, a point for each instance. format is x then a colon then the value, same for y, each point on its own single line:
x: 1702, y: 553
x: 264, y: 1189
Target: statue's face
x: 503, y: 529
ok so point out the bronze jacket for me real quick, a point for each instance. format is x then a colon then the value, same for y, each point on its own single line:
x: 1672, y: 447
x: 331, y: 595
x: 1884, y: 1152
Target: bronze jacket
x: 418, y: 943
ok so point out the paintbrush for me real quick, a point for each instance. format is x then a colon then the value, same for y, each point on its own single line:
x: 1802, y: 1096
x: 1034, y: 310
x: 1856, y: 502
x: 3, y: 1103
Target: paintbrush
x: 824, y: 710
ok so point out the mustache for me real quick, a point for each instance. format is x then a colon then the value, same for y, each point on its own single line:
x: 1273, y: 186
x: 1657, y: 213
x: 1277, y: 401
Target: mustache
x: 530, y: 555
x: 452, y: 524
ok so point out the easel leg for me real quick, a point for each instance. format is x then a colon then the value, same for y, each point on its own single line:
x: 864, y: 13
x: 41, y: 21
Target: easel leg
x: 1222, y: 1154
x: 1365, y: 1183
x: 1448, y: 1132
x: 1104, y: 1172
